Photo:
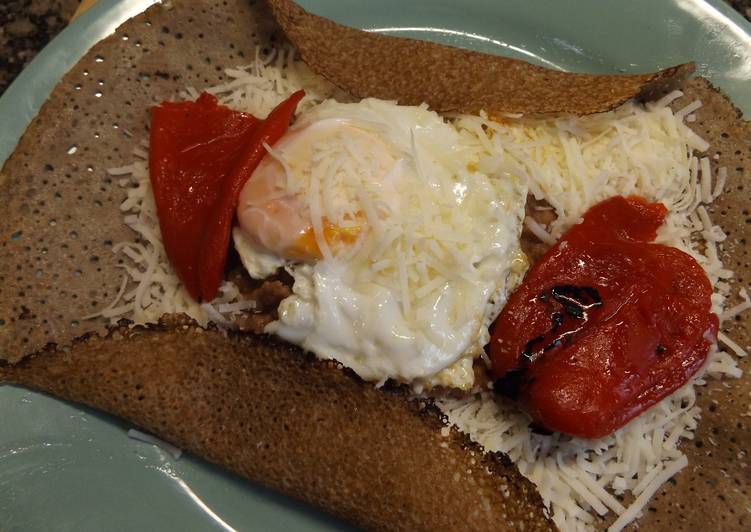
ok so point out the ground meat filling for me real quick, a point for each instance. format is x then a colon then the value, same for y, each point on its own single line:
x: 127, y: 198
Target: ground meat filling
x: 542, y: 213
x: 267, y: 294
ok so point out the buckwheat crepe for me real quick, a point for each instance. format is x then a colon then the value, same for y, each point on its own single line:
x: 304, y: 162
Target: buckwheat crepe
x: 376, y: 458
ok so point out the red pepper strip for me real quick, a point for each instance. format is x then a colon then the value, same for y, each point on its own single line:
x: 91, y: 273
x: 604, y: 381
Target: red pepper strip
x: 605, y: 325
x: 215, y: 243
x: 201, y: 155
x: 193, y: 146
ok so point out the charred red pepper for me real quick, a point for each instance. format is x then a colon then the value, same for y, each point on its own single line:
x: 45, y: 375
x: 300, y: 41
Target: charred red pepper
x: 605, y: 325
x: 201, y: 154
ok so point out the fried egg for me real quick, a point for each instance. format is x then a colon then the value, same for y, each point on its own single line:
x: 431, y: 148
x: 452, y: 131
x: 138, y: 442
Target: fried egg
x: 401, y: 231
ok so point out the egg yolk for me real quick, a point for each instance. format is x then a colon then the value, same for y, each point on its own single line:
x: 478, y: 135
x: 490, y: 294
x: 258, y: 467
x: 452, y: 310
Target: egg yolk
x: 273, y: 208
x: 306, y: 246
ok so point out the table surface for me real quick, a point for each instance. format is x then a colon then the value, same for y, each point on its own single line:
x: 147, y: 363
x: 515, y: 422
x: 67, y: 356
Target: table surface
x: 26, y: 26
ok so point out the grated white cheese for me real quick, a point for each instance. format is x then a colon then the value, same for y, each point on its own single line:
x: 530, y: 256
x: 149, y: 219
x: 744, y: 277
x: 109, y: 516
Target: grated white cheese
x: 571, y: 163
x: 730, y: 344
x: 153, y: 289
x: 577, y: 476
x: 572, y: 166
x: 734, y: 311
x: 539, y: 231
x: 384, y: 308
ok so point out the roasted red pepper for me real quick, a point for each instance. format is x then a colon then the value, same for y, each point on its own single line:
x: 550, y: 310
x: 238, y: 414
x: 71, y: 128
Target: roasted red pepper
x: 193, y: 147
x: 201, y: 154
x: 216, y: 237
x: 605, y: 325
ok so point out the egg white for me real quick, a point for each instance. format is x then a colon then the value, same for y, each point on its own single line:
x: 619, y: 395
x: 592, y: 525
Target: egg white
x: 438, y: 246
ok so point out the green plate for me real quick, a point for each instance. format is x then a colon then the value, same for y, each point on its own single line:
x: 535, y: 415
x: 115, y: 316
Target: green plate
x: 64, y: 468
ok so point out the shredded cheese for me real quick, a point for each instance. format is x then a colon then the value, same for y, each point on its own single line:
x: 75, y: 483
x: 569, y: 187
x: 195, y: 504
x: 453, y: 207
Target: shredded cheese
x: 665, y: 474
x: 539, y: 231
x: 570, y: 163
x: 633, y: 150
x: 151, y: 288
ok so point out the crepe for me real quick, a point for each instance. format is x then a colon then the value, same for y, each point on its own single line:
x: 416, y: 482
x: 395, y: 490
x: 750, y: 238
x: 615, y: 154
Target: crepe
x: 375, y: 458
x: 452, y: 79
x: 61, y: 218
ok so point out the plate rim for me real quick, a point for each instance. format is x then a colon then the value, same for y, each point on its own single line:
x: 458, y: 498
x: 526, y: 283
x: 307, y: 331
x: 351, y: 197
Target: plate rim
x: 72, y: 43
x: 49, y: 67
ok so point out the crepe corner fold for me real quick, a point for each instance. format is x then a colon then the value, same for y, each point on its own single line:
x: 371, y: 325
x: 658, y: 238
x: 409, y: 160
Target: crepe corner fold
x: 61, y: 217
x: 269, y: 413
x: 449, y: 79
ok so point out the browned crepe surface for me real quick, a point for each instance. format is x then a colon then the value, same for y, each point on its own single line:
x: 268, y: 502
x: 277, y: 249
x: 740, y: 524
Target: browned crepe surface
x: 60, y: 220
x: 61, y: 212
x: 310, y: 430
x: 453, y: 79
x: 714, y: 491
x: 265, y: 412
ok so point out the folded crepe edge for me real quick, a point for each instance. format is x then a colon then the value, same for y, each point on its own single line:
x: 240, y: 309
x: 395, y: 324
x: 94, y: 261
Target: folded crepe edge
x: 666, y: 502
x: 309, y: 428
x: 450, y: 79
